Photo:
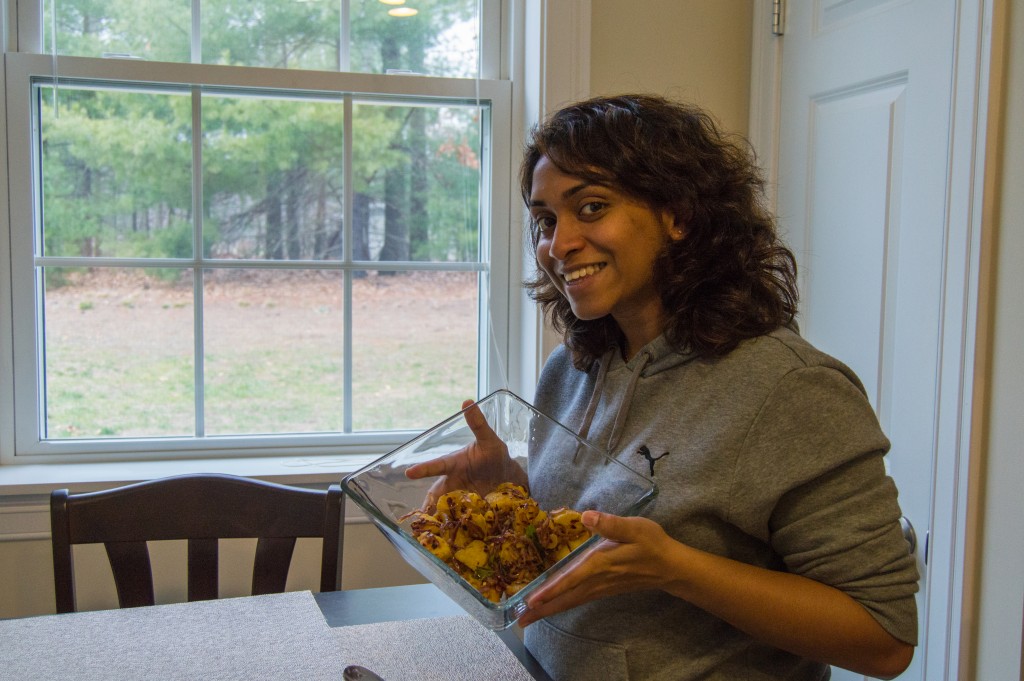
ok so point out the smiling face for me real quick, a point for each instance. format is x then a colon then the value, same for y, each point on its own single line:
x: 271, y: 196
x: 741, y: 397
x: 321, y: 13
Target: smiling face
x: 599, y: 246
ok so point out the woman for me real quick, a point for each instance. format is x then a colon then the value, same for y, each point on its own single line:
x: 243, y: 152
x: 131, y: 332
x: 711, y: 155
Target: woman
x: 773, y: 548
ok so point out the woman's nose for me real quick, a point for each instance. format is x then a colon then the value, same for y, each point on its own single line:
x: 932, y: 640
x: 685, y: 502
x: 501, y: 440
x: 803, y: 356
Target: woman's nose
x: 566, y: 239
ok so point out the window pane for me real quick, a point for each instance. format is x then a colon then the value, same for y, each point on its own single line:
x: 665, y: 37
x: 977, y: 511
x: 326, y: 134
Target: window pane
x: 119, y: 351
x: 156, y: 30
x: 272, y: 178
x: 273, y: 348
x: 298, y: 34
x: 416, y: 183
x: 440, y: 39
x: 415, y: 348
x: 117, y: 173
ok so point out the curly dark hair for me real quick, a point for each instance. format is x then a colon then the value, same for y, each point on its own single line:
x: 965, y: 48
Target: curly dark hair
x: 730, y: 277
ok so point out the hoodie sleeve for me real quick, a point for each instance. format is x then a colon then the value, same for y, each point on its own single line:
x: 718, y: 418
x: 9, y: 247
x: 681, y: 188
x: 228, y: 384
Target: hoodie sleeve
x: 811, y: 481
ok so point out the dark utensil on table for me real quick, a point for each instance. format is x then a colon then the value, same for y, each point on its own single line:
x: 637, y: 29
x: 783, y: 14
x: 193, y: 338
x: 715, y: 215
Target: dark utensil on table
x: 354, y: 672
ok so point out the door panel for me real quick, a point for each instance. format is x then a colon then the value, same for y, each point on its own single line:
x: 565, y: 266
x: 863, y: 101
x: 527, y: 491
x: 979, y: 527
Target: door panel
x: 863, y: 163
x: 855, y: 152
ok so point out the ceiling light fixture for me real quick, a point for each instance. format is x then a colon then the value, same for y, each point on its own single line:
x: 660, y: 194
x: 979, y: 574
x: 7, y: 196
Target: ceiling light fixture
x: 393, y: 2
x: 403, y: 12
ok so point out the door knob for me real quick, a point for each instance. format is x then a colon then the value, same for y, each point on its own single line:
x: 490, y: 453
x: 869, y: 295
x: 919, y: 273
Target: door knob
x: 909, y: 534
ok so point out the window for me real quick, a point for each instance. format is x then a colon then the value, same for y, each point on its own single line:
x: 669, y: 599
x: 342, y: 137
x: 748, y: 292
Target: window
x: 253, y: 227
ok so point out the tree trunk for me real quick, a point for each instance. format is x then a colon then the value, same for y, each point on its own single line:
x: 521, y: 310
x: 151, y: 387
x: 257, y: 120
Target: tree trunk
x: 274, y: 244
x: 419, y: 220
x: 293, y: 189
x: 360, y: 226
x: 396, y: 227
x: 320, y: 221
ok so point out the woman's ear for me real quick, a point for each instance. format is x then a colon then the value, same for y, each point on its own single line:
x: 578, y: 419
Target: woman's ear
x: 676, y: 226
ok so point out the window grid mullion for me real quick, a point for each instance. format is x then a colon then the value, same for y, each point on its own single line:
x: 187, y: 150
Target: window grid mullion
x: 198, y: 283
x: 345, y: 36
x: 196, y: 45
x: 348, y: 197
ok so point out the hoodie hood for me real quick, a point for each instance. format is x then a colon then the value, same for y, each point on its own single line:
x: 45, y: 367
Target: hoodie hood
x: 654, y: 358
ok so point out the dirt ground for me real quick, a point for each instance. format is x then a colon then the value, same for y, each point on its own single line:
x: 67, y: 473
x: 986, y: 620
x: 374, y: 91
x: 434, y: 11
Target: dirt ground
x: 435, y: 304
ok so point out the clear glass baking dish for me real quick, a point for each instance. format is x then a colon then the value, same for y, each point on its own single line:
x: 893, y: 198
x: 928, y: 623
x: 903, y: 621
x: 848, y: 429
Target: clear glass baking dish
x: 587, y: 479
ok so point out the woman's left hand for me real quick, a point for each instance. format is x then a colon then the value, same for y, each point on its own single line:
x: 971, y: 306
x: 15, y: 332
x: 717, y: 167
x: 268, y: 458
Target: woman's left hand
x: 628, y: 558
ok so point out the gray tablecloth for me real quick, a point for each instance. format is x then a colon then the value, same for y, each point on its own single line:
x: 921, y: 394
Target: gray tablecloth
x: 438, y: 649
x: 281, y: 636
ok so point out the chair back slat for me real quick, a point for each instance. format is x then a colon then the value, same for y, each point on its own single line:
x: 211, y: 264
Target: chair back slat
x: 203, y: 569
x: 201, y: 509
x: 133, y: 574
x: 270, y: 570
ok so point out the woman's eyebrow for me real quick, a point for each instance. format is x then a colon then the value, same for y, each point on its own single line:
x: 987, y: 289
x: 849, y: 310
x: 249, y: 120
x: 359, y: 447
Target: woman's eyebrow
x: 568, y: 193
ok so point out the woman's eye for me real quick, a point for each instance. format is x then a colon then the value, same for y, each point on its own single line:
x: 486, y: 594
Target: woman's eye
x: 544, y: 223
x: 592, y: 208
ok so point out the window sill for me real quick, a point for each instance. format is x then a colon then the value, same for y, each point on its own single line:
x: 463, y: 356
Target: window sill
x: 34, y: 479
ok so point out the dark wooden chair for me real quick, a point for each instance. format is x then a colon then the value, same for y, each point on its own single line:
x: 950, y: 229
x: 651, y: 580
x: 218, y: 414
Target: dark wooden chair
x: 202, y: 509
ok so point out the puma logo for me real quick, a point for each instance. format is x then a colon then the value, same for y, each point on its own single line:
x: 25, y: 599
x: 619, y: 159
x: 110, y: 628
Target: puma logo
x: 646, y: 453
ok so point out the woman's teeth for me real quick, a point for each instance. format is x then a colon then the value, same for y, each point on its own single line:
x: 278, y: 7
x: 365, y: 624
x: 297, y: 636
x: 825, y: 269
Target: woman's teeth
x: 583, y: 272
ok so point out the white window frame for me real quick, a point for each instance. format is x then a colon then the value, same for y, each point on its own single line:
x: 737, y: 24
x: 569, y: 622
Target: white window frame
x: 543, y: 61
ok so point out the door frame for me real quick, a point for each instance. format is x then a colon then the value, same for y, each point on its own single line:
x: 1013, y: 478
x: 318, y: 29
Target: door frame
x: 951, y: 545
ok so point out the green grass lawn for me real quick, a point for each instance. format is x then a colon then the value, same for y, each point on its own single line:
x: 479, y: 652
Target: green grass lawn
x: 117, y: 368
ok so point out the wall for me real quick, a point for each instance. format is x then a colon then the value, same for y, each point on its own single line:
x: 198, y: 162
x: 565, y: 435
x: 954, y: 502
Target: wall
x: 692, y: 50
x: 995, y: 622
x: 684, y: 49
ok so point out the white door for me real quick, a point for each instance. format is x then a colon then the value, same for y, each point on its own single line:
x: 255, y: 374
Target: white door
x: 863, y: 167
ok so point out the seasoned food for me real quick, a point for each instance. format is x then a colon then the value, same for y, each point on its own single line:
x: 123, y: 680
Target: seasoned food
x: 499, y: 542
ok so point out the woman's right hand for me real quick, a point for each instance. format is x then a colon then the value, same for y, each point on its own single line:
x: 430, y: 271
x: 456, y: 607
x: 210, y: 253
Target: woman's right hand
x: 479, y: 466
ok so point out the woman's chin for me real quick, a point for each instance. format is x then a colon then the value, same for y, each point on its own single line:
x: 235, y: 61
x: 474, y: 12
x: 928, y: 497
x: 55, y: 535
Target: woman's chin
x: 587, y: 314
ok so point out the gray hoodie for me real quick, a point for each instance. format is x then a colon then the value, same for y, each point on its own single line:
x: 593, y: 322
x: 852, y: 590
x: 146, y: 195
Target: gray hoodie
x: 770, y: 455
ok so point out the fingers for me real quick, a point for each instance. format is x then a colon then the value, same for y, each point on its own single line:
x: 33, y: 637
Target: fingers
x: 427, y: 469
x: 557, y: 594
x: 439, y: 466
x: 572, y: 576
x: 563, y: 590
x: 626, y: 559
x: 481, y: 430
x: 608, y: 526
x: 619, y: 529
x: 477, y: 423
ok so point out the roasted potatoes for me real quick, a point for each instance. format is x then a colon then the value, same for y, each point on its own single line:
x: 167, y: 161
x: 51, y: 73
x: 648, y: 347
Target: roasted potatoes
x: 499, y: 542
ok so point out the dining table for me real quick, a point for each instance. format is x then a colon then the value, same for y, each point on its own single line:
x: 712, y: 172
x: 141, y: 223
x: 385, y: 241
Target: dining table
x: 402, y: 633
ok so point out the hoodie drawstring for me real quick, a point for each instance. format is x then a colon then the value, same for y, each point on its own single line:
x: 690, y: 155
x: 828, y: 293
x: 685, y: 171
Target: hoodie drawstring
x: 595, y: 397
x: 627, y: 398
